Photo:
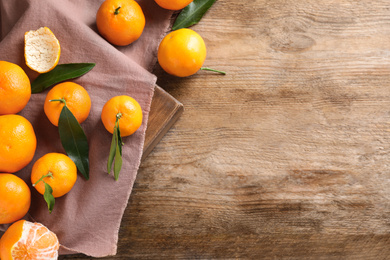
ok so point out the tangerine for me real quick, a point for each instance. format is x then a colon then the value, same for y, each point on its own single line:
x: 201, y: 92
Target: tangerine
x: 182, y: 52
x: 173, y: 4
x: 15, y: 88
x: 127, y: 109
x: 76, y: 98
x: 63, y: 173
x: 120, y: 22
x: 28, y: 241
x: 15, y: 198
x: 17, y: 143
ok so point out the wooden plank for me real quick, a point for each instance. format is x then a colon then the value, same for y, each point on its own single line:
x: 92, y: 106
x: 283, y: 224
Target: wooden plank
x: 164, y: 112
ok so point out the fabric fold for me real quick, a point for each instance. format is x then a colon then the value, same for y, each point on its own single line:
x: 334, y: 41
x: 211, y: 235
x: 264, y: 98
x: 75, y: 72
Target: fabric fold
x: 87, y: 219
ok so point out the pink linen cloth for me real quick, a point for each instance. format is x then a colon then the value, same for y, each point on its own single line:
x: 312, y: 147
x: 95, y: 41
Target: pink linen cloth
x: 87, y: 219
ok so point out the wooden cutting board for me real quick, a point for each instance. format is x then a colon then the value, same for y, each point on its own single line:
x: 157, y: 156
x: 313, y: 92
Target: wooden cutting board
x: 164, y: 112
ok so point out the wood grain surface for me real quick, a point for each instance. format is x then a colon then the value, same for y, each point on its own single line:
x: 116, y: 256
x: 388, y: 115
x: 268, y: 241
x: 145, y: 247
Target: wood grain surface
x: 285, y: 157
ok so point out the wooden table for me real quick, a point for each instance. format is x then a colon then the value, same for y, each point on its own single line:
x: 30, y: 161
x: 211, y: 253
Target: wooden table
x: 288, y: 155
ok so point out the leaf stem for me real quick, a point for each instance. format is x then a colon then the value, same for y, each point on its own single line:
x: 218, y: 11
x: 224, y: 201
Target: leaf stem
x: 117, y: 10
x: 60, y: 100
x: 50, y: 174
x: 209, y: 69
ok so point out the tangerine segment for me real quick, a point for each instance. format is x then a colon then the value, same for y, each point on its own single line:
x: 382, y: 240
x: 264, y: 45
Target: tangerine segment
x: 173, y: 4
x: 128, y: 109
x: 15, y: 88
x: 17, y: 143
x: 182, y: 52
x: 120, y: 22
x: 15, y: 198
x: 64, y: 173
x: 41, y: 50
x: 77, y: 100
x: 25, y: 240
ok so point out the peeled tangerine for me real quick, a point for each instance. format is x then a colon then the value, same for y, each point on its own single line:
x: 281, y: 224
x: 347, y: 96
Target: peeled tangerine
x: 26, y: 240
x: 41, y: 50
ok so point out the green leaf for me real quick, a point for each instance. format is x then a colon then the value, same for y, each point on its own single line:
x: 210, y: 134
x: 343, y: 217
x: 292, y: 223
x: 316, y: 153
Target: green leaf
x: 118, y: 153
x: 60, y: 73
x: 112, y: 150
x: 74, y: 140
x: 115, y: 150
x: 118, y: 161
x: 119, y: 139
x: 192, y: 13
x: 48, y: 196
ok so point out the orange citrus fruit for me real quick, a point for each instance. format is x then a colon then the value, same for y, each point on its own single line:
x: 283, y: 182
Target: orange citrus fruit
x: 41, y: 50
x: 15, y: 198
x: 15, y: 88
x: 120, y: 22
x: 77, y: 100
x: 25, y: 240
x: 182, y: 52
x: 63, y: 170
x: 173, y: 4
x: 127, y: 109
x: 17, y: 143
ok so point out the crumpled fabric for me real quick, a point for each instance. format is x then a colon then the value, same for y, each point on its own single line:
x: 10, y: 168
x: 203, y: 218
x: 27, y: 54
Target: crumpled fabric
x: 87, y: 219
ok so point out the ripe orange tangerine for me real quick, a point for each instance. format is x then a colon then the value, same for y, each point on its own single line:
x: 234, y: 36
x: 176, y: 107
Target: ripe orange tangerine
x: 17, y: 143
x: 15, y: 88
x: 76, y: 97
x: 182, y: 52
x: 63, y: 173
x: 120, y: 22
x: 173, y: 4
x: 25, y: 240
x: 127, y: 109
x: 15, y: 198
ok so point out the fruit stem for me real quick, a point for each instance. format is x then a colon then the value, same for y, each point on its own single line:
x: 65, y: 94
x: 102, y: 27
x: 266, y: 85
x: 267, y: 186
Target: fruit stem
x: 117, y: 10
x: 60, y: 100
x: 118, y: 116
x: 50, y: 174
x: 209, y: 69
